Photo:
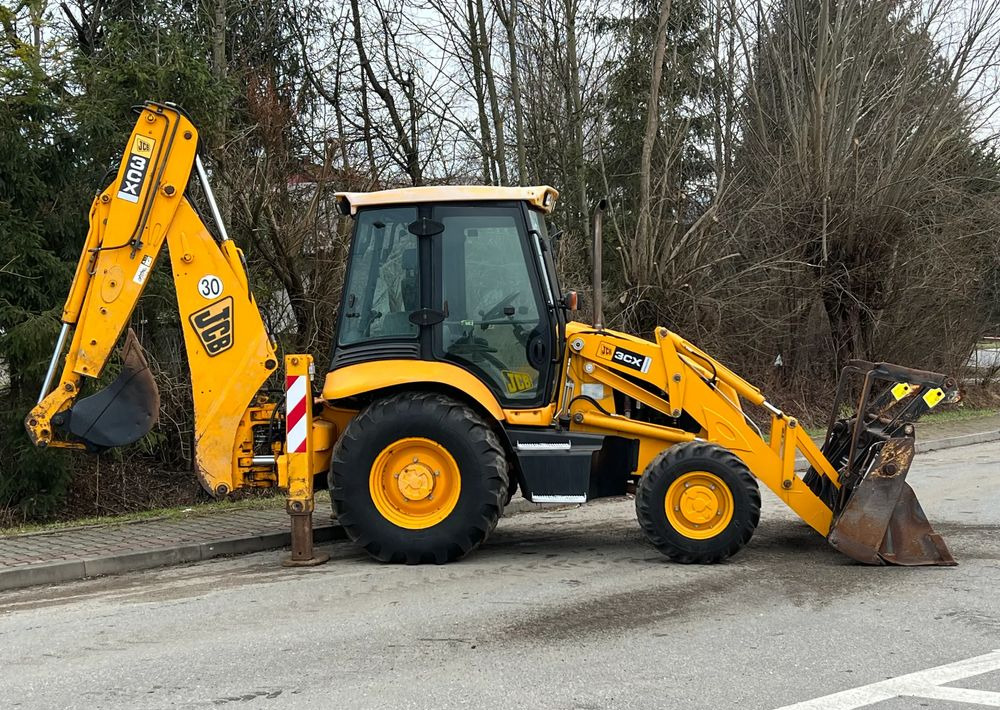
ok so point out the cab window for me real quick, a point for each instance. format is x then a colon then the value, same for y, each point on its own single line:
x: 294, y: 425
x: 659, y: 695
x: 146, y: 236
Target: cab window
x: 492, y: 311
x: 382, y: 285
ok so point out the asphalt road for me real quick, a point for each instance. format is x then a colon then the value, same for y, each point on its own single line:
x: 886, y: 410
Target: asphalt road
x: 564, y: 609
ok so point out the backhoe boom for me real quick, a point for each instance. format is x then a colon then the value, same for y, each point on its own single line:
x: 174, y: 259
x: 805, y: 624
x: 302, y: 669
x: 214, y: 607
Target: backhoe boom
x: 229, y: 352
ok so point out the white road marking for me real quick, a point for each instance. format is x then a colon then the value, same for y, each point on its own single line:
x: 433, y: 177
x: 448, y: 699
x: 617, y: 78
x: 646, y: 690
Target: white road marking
x: 922, y: 684
x: 962, y: 695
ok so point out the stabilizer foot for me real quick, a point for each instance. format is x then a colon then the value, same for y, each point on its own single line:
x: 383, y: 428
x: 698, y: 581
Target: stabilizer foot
x: 318, y: 558
x: 303, y: 554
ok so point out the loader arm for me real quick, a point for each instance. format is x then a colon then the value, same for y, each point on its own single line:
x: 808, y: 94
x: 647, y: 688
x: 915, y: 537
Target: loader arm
x: 853, y: 493
x: 229, y: 352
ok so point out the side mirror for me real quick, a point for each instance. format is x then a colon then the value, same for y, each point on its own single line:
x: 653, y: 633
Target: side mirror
x: 571, y: 300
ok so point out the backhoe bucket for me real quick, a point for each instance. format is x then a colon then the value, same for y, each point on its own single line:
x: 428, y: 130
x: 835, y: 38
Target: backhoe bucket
x: 123, y: 412
x: 882, y: 522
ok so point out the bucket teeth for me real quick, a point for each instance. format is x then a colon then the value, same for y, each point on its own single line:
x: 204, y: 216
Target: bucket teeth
x: 124, y: 411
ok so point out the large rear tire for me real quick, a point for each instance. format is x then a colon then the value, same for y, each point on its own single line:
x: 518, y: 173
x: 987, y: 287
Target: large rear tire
x: 417, y: 478
x: 698, y: 503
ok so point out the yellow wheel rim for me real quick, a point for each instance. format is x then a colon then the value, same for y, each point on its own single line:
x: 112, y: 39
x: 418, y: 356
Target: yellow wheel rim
x: 415, y: 483
x: 699, y: 505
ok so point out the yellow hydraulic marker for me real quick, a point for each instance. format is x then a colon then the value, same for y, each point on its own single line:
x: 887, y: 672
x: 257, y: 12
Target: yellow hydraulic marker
x: 457, y: 378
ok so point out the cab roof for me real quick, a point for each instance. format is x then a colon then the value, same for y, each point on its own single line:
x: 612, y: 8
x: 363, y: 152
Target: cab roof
x: 541, y: 197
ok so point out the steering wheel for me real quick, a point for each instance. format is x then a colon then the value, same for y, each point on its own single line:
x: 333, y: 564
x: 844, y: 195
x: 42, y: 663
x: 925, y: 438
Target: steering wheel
x: 476, y: 350
x: 497, y: 310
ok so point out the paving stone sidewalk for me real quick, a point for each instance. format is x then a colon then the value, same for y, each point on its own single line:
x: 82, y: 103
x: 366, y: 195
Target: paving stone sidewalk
x: 74, y: 553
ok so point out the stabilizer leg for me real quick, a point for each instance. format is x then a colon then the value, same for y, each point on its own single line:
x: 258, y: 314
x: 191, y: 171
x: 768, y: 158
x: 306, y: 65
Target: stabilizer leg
x: 303, y: 554
x: 297, y: 461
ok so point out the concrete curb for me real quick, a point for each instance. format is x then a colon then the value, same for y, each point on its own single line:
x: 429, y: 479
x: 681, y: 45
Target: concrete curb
x: 69, y: 570
x: 951, y: 442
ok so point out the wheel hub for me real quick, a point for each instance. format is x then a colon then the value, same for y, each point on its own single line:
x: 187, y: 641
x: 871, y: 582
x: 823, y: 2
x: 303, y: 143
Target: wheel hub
x: 699, y: 505
x: 416, y: 481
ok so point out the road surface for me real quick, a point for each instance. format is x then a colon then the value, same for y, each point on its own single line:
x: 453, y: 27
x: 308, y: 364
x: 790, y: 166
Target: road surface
x: 563, y: 609
x: 985, y: 359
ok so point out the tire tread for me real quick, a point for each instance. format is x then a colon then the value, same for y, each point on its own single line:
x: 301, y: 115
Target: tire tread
x: 649, y: 505
x: 450, y: 414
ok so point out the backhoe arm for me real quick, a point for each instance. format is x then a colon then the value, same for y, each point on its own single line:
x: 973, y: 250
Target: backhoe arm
x: 229, y: 352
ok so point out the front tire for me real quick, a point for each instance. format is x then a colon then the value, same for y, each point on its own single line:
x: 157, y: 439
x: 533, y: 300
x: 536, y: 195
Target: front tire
x: 417, y: 478
x: 698, y: 503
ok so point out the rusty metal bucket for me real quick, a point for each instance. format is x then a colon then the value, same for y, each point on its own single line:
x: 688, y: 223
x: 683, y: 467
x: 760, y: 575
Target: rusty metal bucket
x: 124, y: 411
x: 882, y: 521
x: 877, y: 519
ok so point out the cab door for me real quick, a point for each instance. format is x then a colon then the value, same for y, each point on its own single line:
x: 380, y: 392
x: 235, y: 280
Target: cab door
x: 496, y: 323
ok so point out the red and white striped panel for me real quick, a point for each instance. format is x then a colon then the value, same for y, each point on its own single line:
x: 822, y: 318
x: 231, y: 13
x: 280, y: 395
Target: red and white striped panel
x: 296, y: 391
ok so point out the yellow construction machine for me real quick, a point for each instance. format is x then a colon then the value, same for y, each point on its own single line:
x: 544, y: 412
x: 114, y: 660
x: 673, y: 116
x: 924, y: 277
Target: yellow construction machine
x: 457, y: 377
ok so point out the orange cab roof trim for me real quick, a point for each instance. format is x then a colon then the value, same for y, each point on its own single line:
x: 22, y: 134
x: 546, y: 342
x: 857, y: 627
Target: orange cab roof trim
x: 541, y: 197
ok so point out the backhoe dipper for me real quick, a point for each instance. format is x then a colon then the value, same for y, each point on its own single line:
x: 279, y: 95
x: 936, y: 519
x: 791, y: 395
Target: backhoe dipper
x: 457, y: 377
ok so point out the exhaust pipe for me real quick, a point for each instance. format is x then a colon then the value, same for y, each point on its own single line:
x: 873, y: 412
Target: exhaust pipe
x: 598, y: 256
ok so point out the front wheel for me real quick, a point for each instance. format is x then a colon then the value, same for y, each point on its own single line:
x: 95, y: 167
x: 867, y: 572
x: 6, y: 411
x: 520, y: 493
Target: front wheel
x: 418, y: 477
x: 698, y: 503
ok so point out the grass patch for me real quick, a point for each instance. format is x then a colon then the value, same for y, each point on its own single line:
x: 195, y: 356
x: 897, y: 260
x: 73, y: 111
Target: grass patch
x: 989, y: 345
x: 816, y: 432
x: 958, y: 414
x: 275, y: 502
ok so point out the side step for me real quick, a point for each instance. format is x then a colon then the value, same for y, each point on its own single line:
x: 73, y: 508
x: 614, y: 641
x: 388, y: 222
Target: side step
x: 555, y: 466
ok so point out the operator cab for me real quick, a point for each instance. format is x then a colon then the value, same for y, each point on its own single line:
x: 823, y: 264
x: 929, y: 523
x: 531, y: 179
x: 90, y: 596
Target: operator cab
x: 462, y: 275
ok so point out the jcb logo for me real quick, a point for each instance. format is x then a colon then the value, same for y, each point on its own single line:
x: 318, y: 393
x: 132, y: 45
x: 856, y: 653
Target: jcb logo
x: 214, y: 326
x: 517, y: 381
x: 606, y: 351
x: 135, y: 168
x: 631, y: 359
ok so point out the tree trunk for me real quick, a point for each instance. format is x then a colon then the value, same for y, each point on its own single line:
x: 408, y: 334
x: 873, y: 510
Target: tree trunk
x: 491, y: 88
x: 642, y: 251
x: 477, y: 81
x: 508, y: 17
x: 411, y: 160
x: 576, y: 105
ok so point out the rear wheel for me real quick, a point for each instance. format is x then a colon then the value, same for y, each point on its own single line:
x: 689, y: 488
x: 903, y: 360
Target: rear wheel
x: 418, y: 477
x: 698, y: 503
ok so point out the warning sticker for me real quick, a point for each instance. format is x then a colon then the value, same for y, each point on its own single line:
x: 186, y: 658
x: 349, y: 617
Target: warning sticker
x: 143, y: 271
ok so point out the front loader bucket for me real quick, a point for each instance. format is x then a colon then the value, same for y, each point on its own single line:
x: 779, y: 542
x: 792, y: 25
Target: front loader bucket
x: 881, y: 521
x: 123, y: 412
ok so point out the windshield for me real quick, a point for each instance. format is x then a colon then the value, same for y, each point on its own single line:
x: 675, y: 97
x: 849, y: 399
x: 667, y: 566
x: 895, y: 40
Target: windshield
x: 536, y: 222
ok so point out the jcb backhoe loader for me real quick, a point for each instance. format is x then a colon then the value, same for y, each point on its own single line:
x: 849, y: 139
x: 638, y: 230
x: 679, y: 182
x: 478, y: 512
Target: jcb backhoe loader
x: 457, y: 377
